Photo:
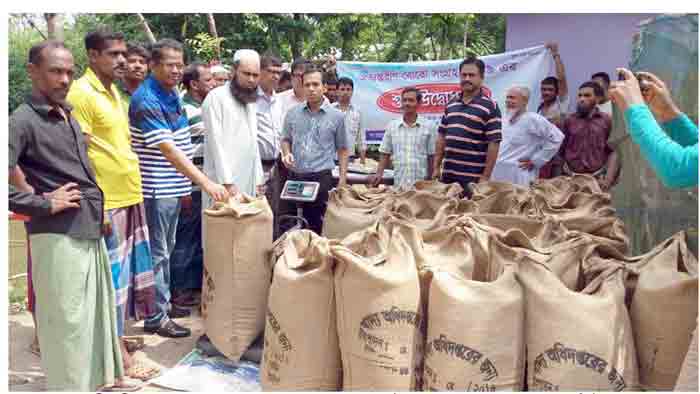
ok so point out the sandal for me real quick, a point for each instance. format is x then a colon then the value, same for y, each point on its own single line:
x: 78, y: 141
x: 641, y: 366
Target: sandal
x: 134, y: 343
x: 126, y: 386
x: 141, y: 371
x: 34, y: 349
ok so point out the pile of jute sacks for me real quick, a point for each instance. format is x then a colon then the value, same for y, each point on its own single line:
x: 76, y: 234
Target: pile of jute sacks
x: 516, y: 288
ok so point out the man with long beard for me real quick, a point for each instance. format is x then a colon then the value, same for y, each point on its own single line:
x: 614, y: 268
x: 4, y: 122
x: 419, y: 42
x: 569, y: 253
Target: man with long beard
x: 529, y: 141
x: 585, y: 149
x: 231, y: 153
x: 470, y: 131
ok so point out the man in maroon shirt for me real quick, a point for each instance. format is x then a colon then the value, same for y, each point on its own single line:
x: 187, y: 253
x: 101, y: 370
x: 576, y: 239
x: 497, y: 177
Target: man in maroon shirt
x: 585, y: 148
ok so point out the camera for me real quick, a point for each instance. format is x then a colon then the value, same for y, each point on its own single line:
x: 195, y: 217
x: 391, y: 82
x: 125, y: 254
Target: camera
x: 643, y: 84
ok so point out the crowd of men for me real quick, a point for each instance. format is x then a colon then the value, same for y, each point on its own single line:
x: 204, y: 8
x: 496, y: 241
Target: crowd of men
x: 116, y: 167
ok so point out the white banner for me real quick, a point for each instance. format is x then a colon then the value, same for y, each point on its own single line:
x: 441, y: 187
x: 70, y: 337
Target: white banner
x: 378, y: 86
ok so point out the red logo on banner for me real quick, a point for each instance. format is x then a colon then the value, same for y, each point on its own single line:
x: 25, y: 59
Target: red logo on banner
x: 435, y: 97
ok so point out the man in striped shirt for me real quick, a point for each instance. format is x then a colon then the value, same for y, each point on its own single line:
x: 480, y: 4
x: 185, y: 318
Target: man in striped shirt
x: 186, y: 259
x: 469, y: 133
x: 161, y: 139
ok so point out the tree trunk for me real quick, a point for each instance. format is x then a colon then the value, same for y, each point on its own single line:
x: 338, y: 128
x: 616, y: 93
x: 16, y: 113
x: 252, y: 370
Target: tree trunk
x: 146, y: 29
x: 54, y: 26
x: 213, y: 32
x: 296, y: 44
x: 466, y: 35
x: 432, y: 45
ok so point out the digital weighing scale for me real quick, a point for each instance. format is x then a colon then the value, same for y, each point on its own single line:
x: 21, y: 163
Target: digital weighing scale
x: 300, y: 191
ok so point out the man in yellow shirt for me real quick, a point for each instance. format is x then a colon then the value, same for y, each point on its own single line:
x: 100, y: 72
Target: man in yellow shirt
x: 103, y: 116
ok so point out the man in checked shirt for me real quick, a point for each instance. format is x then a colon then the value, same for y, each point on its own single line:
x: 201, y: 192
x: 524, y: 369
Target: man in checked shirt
x: 410, y: 142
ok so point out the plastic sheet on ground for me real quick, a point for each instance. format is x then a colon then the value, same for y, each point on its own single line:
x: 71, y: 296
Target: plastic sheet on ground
x: 196, y: 372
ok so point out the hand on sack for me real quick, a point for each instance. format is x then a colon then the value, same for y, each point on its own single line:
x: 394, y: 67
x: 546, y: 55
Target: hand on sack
x: 216, y: 191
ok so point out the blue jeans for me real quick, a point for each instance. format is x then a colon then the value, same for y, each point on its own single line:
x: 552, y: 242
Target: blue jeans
x: 187, y: 257
x: 161, y: 215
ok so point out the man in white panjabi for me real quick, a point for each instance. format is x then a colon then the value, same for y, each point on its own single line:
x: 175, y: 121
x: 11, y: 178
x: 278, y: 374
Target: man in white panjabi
x: 529, y: 141
x: 231, y: 154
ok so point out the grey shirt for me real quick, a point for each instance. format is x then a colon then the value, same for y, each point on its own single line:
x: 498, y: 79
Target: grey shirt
x: 52, y: 152
x: 315, y: 137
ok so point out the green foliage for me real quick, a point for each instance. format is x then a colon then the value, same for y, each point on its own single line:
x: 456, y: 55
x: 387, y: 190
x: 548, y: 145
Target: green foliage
x: 359, y: 37
x: 21, y: 40
x: 204, y: 46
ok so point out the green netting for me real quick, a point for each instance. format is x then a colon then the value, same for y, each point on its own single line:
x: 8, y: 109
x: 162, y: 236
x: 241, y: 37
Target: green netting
x: 668, y: 47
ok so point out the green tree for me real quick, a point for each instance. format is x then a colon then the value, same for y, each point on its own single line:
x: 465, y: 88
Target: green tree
x: 364, y: 37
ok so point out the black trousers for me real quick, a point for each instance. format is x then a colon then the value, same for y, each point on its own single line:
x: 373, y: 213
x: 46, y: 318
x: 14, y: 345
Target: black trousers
x: 313, y: 211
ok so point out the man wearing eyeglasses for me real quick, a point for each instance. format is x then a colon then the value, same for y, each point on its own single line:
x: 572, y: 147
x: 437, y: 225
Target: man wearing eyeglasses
x: 270, y: 118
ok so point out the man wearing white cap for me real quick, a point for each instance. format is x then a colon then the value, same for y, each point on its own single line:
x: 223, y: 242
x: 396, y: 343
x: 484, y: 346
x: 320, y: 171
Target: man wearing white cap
x: 221, y: 75
x: 231, y: 154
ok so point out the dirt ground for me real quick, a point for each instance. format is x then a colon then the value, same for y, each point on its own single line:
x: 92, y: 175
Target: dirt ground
x: 25, y: 368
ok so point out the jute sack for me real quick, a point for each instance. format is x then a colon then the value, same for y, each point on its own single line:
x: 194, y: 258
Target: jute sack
x: 237, y: 246
x: 455, y: 247
x: 688, y: 379
x: 535, y: 234
x: 577, y: 341
x: 424, y: 209
x: 345, y: 215
x: 573, y: 205
x: 605, y: 230
x: 664, y: 312
x: 568, y: 184
x: 380, y: 312
x: 485, y: 189
x: 361, y: 196
x: 443, y: 189
x: 301, y: 339
x: 483, y: 350
x: 505, y: 202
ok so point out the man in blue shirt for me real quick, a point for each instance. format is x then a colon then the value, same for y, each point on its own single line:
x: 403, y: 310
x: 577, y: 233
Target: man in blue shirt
x: 160, y: 137
x: 313, y: 133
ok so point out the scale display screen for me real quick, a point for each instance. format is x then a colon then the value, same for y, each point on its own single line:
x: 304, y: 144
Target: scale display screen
x: 300, y: 191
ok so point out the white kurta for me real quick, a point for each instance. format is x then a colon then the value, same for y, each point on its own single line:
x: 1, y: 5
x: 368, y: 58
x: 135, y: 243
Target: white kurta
x: 231, y: 154
x: 531, y: 137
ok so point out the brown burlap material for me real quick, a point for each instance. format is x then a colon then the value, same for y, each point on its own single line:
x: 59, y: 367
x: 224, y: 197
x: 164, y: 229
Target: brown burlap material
x: 379, y: 311
x: 664, y: 311
x: 688, y: 379
x: 301, y: 349
x: 662, y: 298
x: 443, y: 189
x: 479, y: 350
x: 577, y: 340
x: 568, y: 184
x: 482, y: 190
x: 237, y: 275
